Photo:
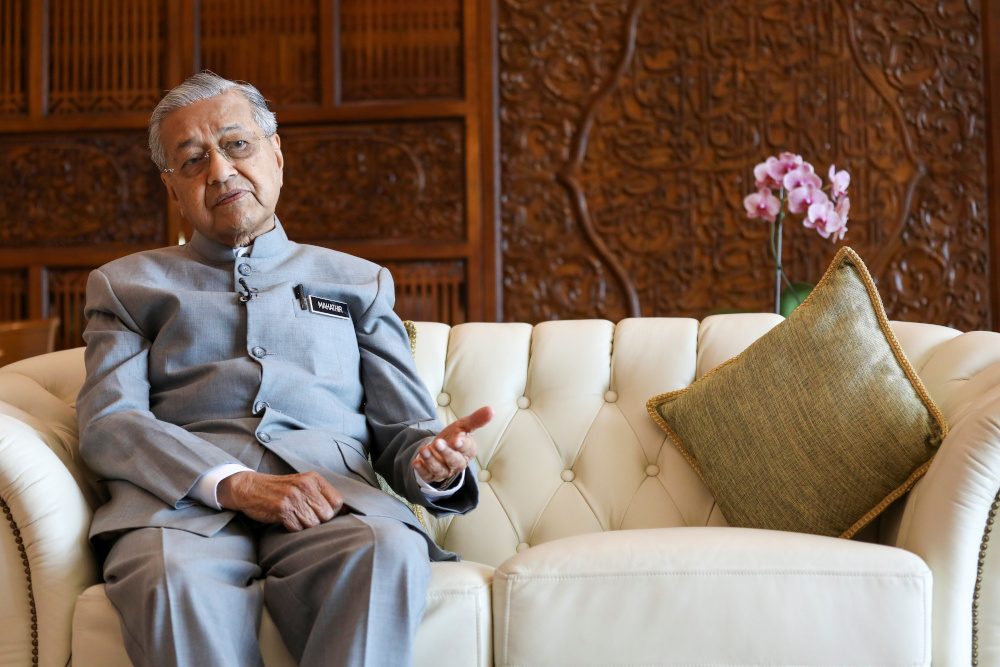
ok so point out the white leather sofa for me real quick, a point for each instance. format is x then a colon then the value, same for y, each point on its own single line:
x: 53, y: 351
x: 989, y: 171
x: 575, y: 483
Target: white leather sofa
x: 594, y: 542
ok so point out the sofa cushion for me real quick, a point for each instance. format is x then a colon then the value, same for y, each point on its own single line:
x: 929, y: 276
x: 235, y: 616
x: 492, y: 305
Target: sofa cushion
x: 818, y: 425
x: 711, y: 596
x: 455, y: 630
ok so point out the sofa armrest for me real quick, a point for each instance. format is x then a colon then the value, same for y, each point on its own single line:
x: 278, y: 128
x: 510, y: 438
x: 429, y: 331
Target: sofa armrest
x: 947, y: 520
x: 45, y: 558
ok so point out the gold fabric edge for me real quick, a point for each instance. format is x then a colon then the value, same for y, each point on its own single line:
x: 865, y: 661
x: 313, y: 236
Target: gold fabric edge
x: 411, y: 333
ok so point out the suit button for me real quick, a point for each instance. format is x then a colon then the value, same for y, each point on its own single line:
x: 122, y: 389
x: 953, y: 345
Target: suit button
x: 258, y: 352
x: 260, y: 406
x: 264, y: 437
x: 244, y: 269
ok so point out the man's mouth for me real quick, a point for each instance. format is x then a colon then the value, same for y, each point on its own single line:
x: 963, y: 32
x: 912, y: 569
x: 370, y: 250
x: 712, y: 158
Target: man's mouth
x: 229, y: 197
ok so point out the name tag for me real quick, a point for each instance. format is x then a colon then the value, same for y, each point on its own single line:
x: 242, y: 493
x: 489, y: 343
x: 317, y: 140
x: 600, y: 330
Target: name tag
x: 328, y: 307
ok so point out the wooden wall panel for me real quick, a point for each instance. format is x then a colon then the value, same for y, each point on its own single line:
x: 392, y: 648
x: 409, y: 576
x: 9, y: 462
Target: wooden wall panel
x: 13, y: 295
x: 431, y: 291
x: 106, y: 55
x: 629, y: 131
x: 400, y: 49
x: 273, y: 44
x: 67, y: 296
x: 13, y: 57
x: 85, y: 189
x: 387, y: 181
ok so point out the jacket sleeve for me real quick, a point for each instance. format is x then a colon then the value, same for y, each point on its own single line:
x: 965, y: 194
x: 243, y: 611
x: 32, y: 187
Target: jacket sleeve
x: 120, y: 438
x: 398, y: 408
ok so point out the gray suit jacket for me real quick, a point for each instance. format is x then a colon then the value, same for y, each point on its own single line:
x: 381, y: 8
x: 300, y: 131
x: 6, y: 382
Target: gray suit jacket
x: 182, y: 376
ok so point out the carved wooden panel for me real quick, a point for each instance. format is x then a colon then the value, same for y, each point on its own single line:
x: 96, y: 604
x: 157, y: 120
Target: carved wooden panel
x: 13, y: 295
x: 629, y: 131
x: 67, y: 297
x: 273, y: 44
x: 431, y: 291
x: 13, y: 57
x: 400, y: 49
x: 90, y: 189
x: 106, y: 55
x: 381, y: 181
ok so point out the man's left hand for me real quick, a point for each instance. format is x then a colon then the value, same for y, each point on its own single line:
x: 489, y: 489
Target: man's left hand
x: 450, y: 452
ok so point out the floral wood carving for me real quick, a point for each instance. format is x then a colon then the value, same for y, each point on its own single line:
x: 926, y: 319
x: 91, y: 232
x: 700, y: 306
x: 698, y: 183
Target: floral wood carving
x: 392, y: 181
x: 86, y: 190
x: 629, y: 131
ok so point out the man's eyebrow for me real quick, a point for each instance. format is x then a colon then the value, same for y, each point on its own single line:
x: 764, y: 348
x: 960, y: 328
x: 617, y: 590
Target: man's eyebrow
x: 227, y: 128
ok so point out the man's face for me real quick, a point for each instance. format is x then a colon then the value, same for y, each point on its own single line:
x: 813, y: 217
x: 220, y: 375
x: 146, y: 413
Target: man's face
x: 229, y: 202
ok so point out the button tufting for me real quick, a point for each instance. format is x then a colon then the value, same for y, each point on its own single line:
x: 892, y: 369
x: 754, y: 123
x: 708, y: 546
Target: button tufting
x: 524, y: 402
x: 568, y: 475
x: 522, y: 546
x: 652, y: 470
x: 244, y: 269
x: 443, y: 399
x: 258, y: 352
x: 260, y: 406
x: 611, y: 396
x: 264, y: 437
x: 485, y: 475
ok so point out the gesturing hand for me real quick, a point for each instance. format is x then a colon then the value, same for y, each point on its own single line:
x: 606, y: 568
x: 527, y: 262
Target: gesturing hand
x: 298, y: 501
x: 450, y: 452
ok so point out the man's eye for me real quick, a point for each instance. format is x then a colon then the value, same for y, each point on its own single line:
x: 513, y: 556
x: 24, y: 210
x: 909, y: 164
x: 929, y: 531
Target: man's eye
x: 239, y: 144
x: 191, y: 161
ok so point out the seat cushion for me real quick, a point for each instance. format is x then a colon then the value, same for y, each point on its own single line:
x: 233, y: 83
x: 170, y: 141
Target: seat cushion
x: 711, y: 596
x: 817, y: 426
x: 457, y: 617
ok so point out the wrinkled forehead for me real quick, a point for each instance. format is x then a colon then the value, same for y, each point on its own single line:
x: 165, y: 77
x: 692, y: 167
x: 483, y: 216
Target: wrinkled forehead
x: 205, y: 122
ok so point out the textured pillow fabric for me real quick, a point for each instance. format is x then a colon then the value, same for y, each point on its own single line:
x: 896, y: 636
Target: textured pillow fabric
x: 818, y: 425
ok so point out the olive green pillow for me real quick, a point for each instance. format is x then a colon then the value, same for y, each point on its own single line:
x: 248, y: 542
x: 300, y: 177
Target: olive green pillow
x: 818, y: 425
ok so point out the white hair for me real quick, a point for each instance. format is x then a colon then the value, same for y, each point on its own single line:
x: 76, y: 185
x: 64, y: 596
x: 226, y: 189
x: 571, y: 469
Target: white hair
x: 202, y: 86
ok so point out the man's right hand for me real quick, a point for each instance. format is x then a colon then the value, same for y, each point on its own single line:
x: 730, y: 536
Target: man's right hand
x: 298, y: 501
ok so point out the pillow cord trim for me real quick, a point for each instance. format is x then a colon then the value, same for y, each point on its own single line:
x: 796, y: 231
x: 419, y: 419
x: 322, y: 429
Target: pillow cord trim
x: 845, y: 254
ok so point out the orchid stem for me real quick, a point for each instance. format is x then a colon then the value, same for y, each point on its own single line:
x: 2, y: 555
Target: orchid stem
x: 779, y: 273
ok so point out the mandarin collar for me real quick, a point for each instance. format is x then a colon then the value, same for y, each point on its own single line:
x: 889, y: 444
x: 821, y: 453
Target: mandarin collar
x: 269, y: 244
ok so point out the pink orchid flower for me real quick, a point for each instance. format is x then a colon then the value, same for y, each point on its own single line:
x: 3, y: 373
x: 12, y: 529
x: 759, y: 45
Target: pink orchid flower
x: 824, y: 219
x: 839, y: 180
x: 804, y: 196
x: 762, y: 204
x: 762, y: 174
x: 843, y: 207
x: 802, y: 176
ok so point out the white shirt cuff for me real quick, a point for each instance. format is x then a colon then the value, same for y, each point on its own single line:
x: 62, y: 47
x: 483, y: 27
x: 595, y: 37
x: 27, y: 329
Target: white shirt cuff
x: 433, y: 493
x: 205, y: 488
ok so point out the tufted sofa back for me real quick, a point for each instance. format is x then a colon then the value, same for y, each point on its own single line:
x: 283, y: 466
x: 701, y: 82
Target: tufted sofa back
x: 572, y: 448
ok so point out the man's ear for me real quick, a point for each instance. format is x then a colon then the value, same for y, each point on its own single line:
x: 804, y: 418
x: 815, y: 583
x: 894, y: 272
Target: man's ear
x: 170, y: 188
x: 277, y: 151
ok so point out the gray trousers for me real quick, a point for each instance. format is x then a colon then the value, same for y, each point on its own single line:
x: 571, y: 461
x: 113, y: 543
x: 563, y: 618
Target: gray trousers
x: 347, y: 592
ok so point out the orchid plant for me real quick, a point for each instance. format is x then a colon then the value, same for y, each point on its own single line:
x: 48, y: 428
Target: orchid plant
x: 799, y: 191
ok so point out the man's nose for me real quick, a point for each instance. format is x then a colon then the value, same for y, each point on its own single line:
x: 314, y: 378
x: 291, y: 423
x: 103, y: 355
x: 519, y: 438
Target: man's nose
x: 220, y: 169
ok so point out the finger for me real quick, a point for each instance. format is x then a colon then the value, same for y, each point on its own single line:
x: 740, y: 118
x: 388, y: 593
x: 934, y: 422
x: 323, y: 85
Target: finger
x: 466, y: 446
x: 435, y: 468
x: 477, y: 419
x: 435, y: 448
x: 451, y: 456
x: 333, y: 497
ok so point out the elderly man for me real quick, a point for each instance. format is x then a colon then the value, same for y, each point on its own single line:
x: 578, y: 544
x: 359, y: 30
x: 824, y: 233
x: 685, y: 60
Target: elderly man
x: 235, y: 389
